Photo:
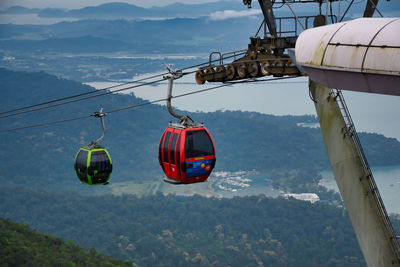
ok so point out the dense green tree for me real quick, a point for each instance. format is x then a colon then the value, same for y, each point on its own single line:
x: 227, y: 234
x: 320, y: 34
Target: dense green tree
x: 170, y: 230
x: 21, y: 246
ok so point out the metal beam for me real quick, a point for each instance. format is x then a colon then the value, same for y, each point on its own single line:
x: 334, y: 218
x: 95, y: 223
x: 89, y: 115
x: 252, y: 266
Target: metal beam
x: 370, y: 8
x: 266, y: 7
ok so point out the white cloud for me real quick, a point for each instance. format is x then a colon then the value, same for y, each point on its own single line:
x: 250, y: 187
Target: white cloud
x: 228, y: 14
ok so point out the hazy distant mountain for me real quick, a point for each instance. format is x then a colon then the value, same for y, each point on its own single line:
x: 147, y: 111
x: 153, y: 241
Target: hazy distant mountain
x: 20, y: 10
x: 116, y: 10
x: 81, y: 44
x: 124, y: 10
x: 172, y: 35
x: 109, y: 10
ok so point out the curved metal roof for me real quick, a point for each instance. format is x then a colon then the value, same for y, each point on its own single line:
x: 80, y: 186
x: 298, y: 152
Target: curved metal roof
x: 370, y: 46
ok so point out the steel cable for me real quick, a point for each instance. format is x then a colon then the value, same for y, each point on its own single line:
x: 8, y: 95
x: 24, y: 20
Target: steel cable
x: 96, y: 91
x: 146, y: 103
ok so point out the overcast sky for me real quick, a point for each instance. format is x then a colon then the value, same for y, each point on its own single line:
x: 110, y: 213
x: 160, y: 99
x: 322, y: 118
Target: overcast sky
x: 71, y: 4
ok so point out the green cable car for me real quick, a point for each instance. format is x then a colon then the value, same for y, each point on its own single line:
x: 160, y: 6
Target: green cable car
x: 93, y: 164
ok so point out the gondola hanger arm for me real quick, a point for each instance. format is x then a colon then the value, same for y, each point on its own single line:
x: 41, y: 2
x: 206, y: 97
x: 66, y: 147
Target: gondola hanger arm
x: 184, y: 120
x: 173, y: 74
x: 171, y: 77
x: 99, y: 114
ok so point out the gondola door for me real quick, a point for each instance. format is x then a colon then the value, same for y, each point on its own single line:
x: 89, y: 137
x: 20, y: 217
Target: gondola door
x: 170, y: 158
x: 174, y: 169
x: 199, y: 155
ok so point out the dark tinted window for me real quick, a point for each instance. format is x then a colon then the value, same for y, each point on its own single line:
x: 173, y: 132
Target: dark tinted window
x: 178, y: 154
x: 198, y: 144
x: 81, y: 160
x: 166, y: 142
x: 81, y: 165
x: 100, y: 167
x: 160, y: 147
x: 172, y: 154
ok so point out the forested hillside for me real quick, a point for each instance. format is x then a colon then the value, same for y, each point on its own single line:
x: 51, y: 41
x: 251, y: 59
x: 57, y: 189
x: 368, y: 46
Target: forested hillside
x: 43, y: 157
x: 21, y: 246
x: 192, y: 231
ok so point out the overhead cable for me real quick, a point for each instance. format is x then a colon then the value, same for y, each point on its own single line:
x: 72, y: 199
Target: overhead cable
x: 32, y: 108
x: 80, y: 99
x: 145, y: 103
x: 73, y: 96
x: 44, y: 124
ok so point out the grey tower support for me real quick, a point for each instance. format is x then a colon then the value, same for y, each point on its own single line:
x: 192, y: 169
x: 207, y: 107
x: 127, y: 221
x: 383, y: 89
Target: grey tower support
x: 355, y: 181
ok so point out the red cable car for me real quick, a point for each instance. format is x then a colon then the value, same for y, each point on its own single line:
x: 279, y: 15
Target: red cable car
x: 186, y: 155
x: 186, y: 152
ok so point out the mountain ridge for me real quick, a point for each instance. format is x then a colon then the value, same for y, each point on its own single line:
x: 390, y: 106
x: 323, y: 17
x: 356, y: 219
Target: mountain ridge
x: 121, y: 9
x: 124, y: 10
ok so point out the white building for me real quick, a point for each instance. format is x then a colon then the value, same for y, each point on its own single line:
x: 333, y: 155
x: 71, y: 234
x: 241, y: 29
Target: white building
x: 304, y: 196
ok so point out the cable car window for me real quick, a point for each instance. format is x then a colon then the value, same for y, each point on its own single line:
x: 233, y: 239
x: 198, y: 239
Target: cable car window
x: 178, y: 155
x: 81, y: 165
x: 172, y: 151
x: 100, y: 161
x: 166, y: 143
x: 160, y: 147
x: 198, y: 144
x: 81, y: 160
x: 100, y: 166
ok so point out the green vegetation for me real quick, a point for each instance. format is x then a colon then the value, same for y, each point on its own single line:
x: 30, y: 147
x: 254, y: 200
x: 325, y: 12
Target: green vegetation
x: 303, y: 180
x: 172, y: 230
x: 21, y: 246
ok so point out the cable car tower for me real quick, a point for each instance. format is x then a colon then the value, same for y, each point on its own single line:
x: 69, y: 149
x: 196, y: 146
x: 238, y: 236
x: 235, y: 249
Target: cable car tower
x: 360, y: 55
x: 373, y: 67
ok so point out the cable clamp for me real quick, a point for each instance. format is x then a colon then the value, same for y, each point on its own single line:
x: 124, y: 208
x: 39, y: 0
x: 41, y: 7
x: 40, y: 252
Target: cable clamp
x: 247, y: 3
x: 173, y: 74
x: 99, y: 114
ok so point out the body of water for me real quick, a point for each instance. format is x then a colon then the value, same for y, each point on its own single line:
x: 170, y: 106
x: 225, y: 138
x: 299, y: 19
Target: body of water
x: 386, y: 178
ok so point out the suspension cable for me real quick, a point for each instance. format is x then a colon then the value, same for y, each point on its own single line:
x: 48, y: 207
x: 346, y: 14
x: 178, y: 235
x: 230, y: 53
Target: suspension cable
x: 45, y: 124
x: 96, y: 91
x: 73, y: 96
x: 146, y: 103
x: 80, y: 99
